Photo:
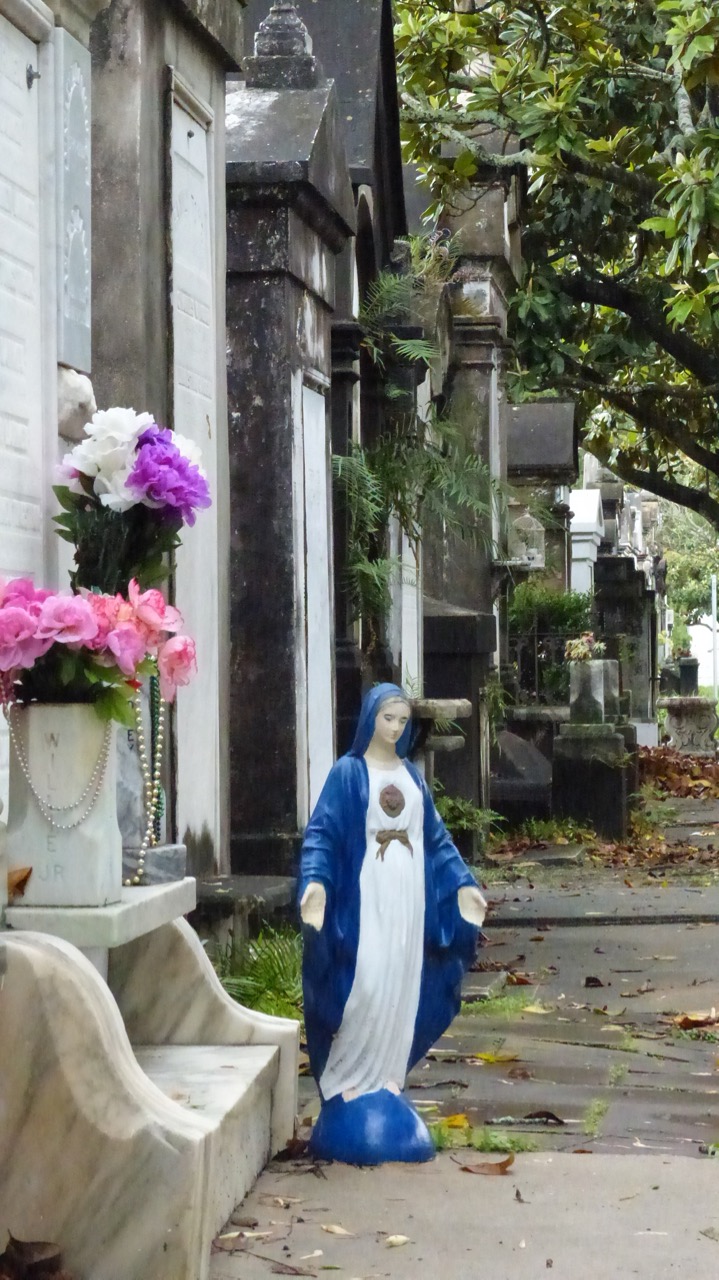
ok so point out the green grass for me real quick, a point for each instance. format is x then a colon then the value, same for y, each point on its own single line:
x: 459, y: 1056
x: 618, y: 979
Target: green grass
x: 446, y: 1138
x: 697, y: 1033
x: 593, y: 1116
x: 504, y: 1005
x: 618, y: 1073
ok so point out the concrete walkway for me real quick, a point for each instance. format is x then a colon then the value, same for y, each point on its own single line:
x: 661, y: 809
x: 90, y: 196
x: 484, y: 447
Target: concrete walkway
x: 572, y: 1216
x: 591, y: 1045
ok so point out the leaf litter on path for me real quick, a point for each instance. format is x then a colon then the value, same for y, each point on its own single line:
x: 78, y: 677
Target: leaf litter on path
x: 494, y: 1168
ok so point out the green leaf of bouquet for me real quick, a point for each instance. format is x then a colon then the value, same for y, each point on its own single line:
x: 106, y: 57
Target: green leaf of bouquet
x: 69, y: 667
x: 67, y: 499
x: 113, y: 704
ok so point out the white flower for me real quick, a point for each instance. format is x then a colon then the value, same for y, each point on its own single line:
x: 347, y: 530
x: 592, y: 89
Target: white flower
x: 111, y: 489
x: 110, y: 443
x: 189, y: 450
x: 122, y: 426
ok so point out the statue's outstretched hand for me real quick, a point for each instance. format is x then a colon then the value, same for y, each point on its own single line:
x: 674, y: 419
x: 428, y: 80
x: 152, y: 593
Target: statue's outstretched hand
x: 472, y: 904
x: 312, y: 906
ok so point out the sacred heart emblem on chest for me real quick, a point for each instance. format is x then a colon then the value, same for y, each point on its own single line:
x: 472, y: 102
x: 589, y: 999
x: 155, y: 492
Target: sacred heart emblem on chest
x: 391, y: 801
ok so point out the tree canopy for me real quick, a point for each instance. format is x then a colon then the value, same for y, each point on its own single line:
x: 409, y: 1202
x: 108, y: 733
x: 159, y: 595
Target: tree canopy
x: 692, y: 555
x: 606, y: 112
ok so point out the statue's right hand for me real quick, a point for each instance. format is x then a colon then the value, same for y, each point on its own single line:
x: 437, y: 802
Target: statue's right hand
x: 312, y: 905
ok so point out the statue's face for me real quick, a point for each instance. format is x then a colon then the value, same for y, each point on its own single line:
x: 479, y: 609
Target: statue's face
x: 391, y: 721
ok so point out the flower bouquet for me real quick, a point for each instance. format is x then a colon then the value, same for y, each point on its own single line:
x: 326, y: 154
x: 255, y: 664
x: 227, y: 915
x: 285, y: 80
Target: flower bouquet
x: 584, y: 648
x: 89, y: 647
x: 126, y: 491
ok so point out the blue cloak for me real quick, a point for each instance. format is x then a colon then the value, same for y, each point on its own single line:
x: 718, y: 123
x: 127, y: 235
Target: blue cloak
x: 332, y: 854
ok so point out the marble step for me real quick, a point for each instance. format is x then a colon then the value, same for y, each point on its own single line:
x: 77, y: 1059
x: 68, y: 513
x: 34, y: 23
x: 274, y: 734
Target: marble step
x: 230, y: 1088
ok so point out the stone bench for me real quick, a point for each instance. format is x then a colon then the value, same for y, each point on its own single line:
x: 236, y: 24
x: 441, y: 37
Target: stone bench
x: 138, y: 1110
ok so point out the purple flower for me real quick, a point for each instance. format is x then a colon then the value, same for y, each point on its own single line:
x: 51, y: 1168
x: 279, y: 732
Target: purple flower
x: 164, y: 476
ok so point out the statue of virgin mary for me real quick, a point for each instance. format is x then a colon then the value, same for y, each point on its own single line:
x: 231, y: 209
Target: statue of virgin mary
x: 390, y: 916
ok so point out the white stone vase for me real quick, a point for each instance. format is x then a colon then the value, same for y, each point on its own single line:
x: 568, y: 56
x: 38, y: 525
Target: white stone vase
x: 81, y: 865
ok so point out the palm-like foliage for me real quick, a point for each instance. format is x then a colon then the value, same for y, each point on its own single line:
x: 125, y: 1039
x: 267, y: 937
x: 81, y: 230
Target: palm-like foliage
x: 422, y: 469
x: 265, y: 973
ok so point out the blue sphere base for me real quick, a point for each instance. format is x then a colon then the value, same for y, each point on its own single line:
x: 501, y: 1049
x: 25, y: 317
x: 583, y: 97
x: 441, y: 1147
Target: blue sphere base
x: 371, y: 1129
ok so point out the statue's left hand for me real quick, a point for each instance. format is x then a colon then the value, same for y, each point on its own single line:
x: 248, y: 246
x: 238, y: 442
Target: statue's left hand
x: 472, y: 905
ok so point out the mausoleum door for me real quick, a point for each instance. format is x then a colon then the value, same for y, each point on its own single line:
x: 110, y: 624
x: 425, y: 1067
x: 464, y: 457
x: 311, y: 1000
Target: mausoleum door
x: 194, y: 415
x: 318, y: 595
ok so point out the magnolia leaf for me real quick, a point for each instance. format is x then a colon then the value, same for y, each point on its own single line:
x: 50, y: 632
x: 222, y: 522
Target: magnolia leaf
x: 395, y: 1242
x: 333, y: 1229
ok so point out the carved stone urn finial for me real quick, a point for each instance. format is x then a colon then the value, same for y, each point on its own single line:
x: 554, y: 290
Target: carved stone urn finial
x: 283, y: 34
x: 283, y: 52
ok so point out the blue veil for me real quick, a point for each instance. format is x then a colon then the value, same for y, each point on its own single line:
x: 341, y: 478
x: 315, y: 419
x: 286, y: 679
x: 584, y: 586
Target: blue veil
x: 371, y: 704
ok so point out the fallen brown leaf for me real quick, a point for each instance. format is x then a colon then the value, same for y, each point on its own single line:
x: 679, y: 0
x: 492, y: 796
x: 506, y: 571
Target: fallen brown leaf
x: 519, y: 1073
x: 296, y: 1147
x: 17, y: 882
x: 31, y: 1256
x: 547, y: 1116
x: 685, y: 1021
x: 494, y: 1169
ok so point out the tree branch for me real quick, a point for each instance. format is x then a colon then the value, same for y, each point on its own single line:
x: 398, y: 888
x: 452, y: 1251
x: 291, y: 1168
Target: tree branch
x: 609, y: 293
x: 685, y: 118
x: 613, y: 173
x: 444, y: 121
x: 696, y: 499
x: 674, y: 432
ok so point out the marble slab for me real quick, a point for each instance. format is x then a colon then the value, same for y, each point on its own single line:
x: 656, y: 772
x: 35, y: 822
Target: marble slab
x: 163, y: 862
x: 231, y: 1087
x: 92, y: 1154
x: 140, y: 910
x: 196, y: 1009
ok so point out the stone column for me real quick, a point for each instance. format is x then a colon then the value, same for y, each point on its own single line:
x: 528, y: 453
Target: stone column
x: 459, y: 578
x: 290, y: 212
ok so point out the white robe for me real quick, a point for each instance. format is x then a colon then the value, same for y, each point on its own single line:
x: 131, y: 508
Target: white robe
x: 372, y: 1046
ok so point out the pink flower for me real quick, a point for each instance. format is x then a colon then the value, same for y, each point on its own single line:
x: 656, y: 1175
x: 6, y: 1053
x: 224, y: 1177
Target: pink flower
x: 153, y: 613
x: 23, y: 593
x: 67, y: 620
x: 177, y: 663
x: 19, y: 644
x: 105, y: 611
x: 127, y: 644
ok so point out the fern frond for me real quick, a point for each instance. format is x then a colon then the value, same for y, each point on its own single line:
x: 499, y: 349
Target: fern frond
x: 417, y: 350
x: 265, y: 973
